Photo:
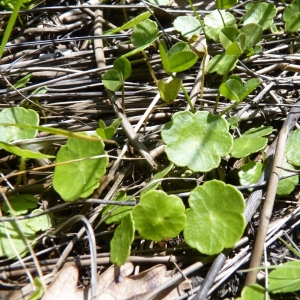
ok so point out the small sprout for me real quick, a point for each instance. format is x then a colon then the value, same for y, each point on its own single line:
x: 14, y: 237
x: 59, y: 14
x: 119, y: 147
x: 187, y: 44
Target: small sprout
x: 108, y: 132
x: 250, y: 173
x: 215, y: 218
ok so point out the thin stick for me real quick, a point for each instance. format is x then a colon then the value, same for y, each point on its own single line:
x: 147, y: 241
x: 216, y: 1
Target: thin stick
x: 267, y: 208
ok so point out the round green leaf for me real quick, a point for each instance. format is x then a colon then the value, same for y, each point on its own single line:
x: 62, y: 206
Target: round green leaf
x: 144, y: 33
x: 178, y: 47
x: 286, y: 278
x: 17, y: 115
x: 187, y: 26
x: 81, y: 178
x: 232, y: 88
x: 216, y: 21
x: 250, y: 173
x: 112, y: 80
x: 121, y: 242
x: 182, y: 61
x: 20, y: 204
x: 215, y: 218
x: 123, y: 65
x: 253, y: 33
x: 196, y: 140
x: 222, y: 63
x: 159, y: 216
x: 40, y: 223
x: 228, y: 35
x: 244, y: 146
x: 286, y: 186
x: 225, y: 4
x: 293, y: 147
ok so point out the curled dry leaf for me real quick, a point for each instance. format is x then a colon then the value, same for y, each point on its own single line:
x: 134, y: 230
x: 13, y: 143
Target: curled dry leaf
x: 64, y: 285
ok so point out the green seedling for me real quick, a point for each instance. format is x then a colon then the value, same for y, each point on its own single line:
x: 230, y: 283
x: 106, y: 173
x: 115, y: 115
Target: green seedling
x: 22, y: 82
x: 234, y: 89
x: 214, y: 222
x: 20, y: 204
x: 197, y: 141
x: 120, y: 244
x: 291, y: 17
x: 251, y: 141
x: 286, y: 186
x: 225, y: 4
x: 109, y: 131
x: 178, y: 59
x: 79, y: 179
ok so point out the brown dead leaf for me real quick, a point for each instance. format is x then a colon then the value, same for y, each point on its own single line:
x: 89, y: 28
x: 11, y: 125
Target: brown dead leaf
x: 114, y: 284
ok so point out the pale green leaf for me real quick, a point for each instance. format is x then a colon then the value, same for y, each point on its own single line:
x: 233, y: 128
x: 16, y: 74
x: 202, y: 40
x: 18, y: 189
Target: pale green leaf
x: 79, y: 179
x: 215, y: 218
x: 214, y: 23
x: 293, y: 147
x: 123, y: 65
x: 250, y: 173
x: 109, y: 131
x: 17, y: 115
x: 253, y: 292
x: 113, y: 80
x: 187, y: 26
x: 197, y: 141
x: 291, y: 16
x: 258, y: 131
x: 286, y: 186
x: 244, y: 146
x: 225, y: 4
x: 40, y: 223
x: 169, y: 90
x: 144, y: 33
x: 222, y: 63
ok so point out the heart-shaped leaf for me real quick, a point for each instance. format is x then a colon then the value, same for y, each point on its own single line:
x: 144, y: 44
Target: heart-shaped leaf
x: 214, y: 222
x: 258, y: 131
x: 120, y: 244
x: 178, y: 47
x: 187, y: 26
x: 169, y: 90
x: 123, y: 65
x: 228, y: 35
x: 40, y: 223
x: 293, y: 147
x: 109, y: 131
x: 286, y: 278
x: 81, y: 178
x: 17, y: 115
x: 291, y: 16
x: 196, y: 140
x: 237, y: 47
x: 216, y: 21
x: 144, y: 33
x: 159, y: 216
x: 222, y: 63
x: 113, y: 80
x: 182, y: 61
x: 261, y: 13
